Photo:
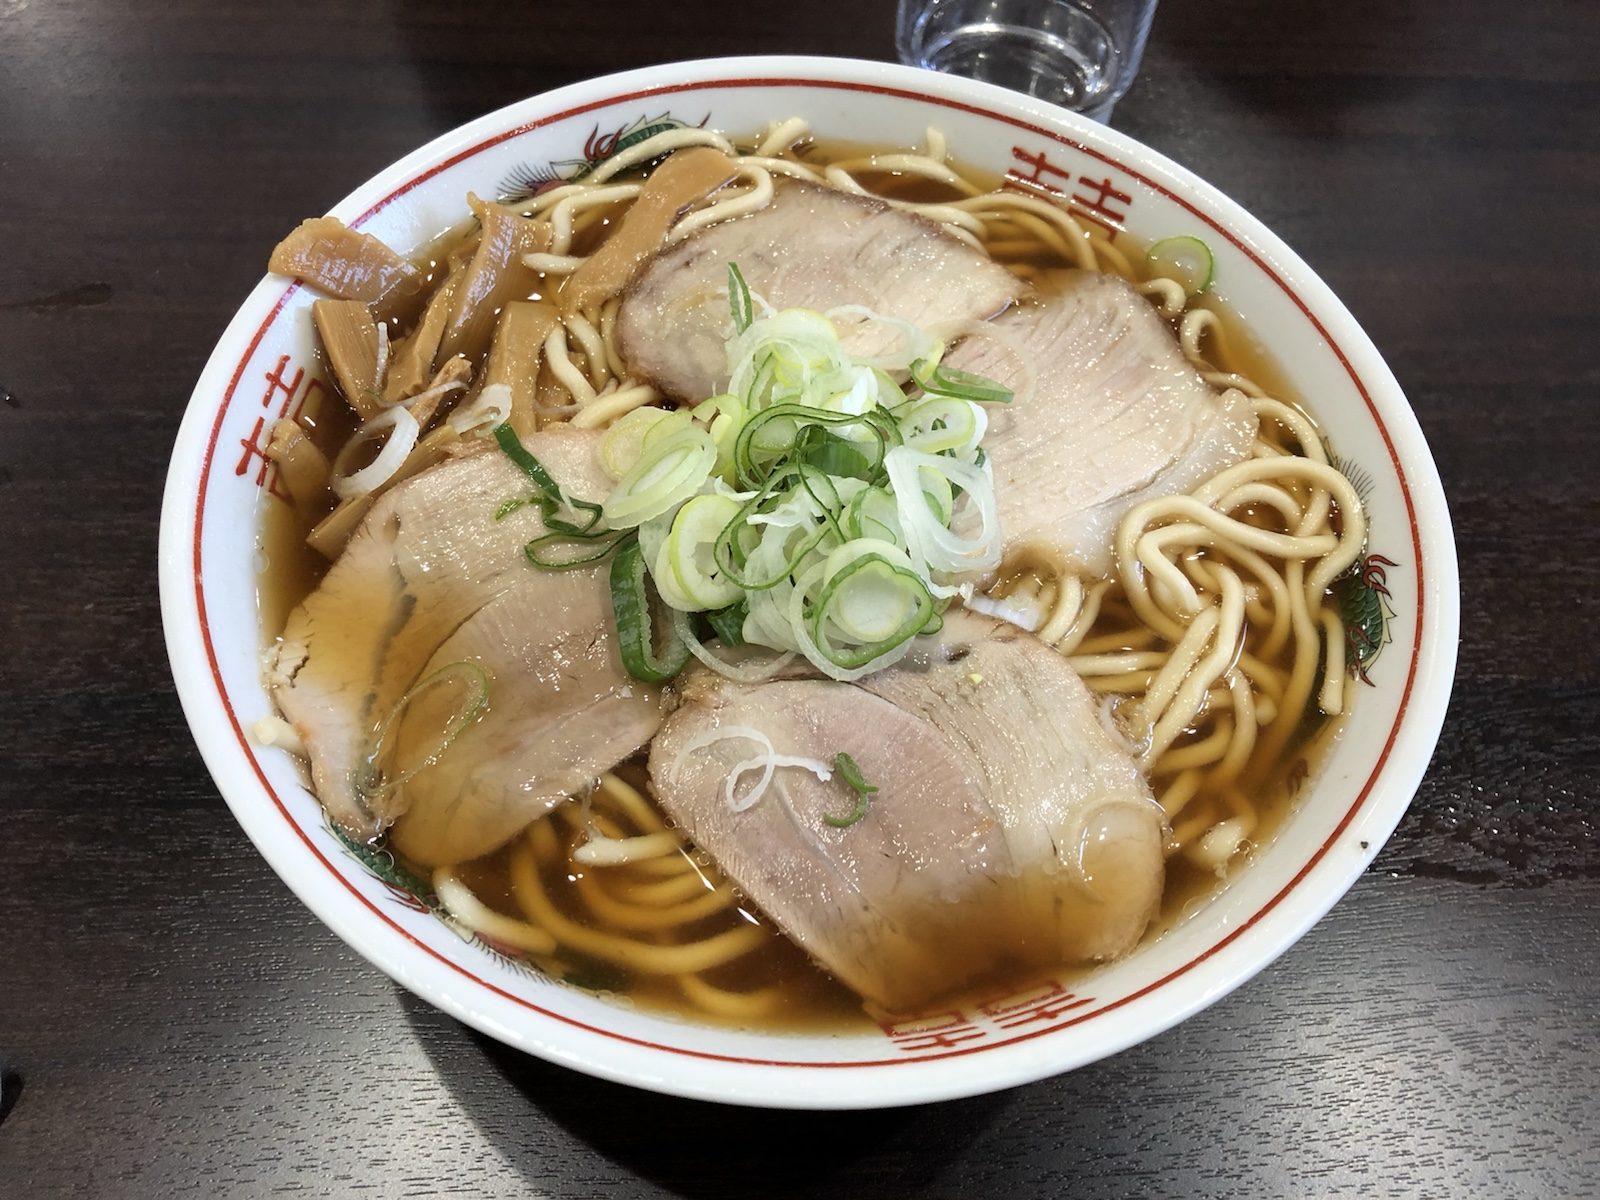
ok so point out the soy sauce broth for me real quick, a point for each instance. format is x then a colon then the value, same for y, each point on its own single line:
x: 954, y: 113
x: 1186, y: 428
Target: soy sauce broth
x: 810, y: 999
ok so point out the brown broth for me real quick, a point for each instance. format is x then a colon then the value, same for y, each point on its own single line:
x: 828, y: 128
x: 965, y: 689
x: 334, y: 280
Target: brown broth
x: 810, y: 999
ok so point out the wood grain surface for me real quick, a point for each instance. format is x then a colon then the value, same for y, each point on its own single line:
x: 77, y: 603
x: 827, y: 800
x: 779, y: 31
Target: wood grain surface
x: 173, y: 1022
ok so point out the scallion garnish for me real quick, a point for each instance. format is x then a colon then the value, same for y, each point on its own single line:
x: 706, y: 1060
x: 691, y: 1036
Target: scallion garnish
x: 1184, y: 259
x: 867, y: 607
x: 552, y: 501
x: 728, y: 623
x: 565, y: 551
x: 809, y: 509
x: 739, y: 299
x: 630, y: 601
x: 530, y: 466
x: 939, y: 380
x: 786, y: 433
x: 573, y: 540
x: 850, y: 773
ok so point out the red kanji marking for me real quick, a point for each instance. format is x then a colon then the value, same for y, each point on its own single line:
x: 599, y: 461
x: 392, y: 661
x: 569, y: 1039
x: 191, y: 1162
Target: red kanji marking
x: 937, y: 1032
x: 1043, y: 1003
x: 255, y: 447
x: 277, y: 383
x: 1096, y: 208
x: 1041, y: 165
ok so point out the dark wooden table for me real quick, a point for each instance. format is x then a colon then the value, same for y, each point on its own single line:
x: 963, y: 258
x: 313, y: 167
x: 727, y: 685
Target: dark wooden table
x: 173, y: 1022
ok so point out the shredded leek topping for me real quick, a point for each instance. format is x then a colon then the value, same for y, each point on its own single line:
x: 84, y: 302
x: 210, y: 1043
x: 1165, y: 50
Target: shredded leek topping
x: 473, y: 682
x: 403, y: 433
x: 810, y: 509
x: 484, y: 415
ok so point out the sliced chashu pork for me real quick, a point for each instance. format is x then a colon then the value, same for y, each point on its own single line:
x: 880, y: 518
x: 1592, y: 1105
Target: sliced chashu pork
x: 1115, y: 415
x: 810, y: 247
x: 431, y: 578
x: 1009, y: 830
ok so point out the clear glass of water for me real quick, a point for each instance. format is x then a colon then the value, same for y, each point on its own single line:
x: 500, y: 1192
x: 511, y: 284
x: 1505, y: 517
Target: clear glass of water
x: 1081, y: 54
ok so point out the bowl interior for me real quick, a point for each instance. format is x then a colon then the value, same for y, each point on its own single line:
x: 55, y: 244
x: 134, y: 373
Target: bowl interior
x: 265, y: 366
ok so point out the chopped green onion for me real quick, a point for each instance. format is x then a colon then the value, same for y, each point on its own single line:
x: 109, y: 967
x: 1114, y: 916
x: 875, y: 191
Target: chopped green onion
x: 770, y: 437
x: 929, y: 541
x: 623, y: 442
x: 561, y: 525
x: 739, y: 299
x: 732, y: 551
x: 722, y: 416
x: 531, y: 466
x: 666, y: 581
x: 751, y: 670
x: 939, y: 380
x: 834, y: 455
x: 675, y: 421
x: 689, y: 552
x: 850, y: 773
x: 565, y: 551
x: 670, y: 469
x: 552, y: 501
x: 728, y: 623
x: 630, y: 602
x: 942, y: 424
x: 1185, y: 260
x: 940, y: 493
x: 876, y: 604
x: 873, y: 514
x: 838, y: 543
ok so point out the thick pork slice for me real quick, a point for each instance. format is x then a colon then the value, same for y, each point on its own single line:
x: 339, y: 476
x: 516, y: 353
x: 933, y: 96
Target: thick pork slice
x: 810, y: 247
x: 1009, y: 830
x: 429, y: 579
x: 1115, y: 415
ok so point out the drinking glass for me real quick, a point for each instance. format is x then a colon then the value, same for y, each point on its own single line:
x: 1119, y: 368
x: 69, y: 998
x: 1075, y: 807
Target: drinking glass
x: 1081, y: 54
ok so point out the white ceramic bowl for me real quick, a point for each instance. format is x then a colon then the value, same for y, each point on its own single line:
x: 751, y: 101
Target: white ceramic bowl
x: 265, y: 362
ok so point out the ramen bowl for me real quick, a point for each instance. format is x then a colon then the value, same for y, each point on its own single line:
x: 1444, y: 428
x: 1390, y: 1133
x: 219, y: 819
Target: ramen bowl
x: 1346, y: 803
